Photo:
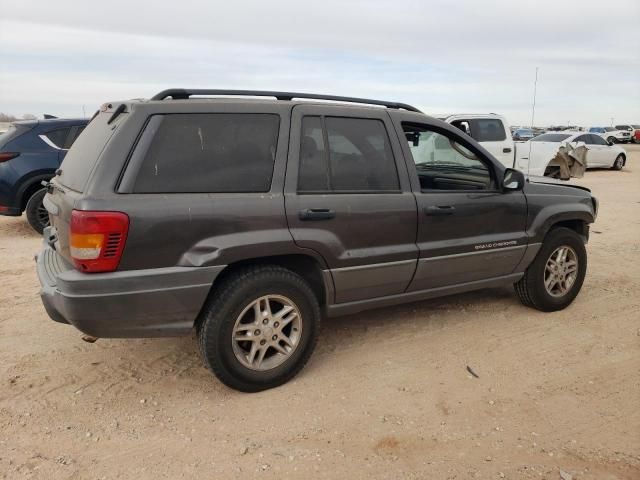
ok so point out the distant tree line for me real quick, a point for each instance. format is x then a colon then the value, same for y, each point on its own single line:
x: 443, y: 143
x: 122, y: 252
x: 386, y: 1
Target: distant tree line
x: 7, y: 117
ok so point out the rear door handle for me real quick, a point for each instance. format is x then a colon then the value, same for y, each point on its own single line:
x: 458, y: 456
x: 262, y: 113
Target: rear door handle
x: 506, y: 150
x: 439, y: 210
x: 317, y: 214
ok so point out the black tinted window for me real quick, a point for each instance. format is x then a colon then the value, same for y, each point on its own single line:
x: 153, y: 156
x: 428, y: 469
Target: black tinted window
x: 75, y: 133
x: 58, y: 136
x: 597, y: 140
x: 444, y: 164
x: 217, y: 152
x: 487, y: 130
x: 358, y: 157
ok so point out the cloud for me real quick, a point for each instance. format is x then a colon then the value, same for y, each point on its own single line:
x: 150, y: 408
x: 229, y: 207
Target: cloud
x: 439, y: 55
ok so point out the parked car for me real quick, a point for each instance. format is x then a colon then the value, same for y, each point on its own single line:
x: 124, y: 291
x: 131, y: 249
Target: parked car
x: 523, y: 134
x: 250, y: 219
x: 541, y: 149
x: 634, y: 131
x: 611, y: 134
x: 30, y: 152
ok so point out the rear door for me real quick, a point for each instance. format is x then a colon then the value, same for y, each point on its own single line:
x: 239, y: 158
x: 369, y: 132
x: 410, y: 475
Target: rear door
x: 348, y: 198
x: 468, y: 229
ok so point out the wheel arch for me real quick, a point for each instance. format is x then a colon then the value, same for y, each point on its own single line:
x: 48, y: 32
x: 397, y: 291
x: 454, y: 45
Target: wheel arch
x: 29, y: 188
x: 308, y: 267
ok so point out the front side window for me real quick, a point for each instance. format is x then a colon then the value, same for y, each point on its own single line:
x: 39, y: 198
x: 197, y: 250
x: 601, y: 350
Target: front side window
x: 210, y: 153
x: 345, y: 155
x: 444, y: 164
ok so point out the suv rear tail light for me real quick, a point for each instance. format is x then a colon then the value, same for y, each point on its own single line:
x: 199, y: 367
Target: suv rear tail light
x: 5, y: 156
x: 97, y: 239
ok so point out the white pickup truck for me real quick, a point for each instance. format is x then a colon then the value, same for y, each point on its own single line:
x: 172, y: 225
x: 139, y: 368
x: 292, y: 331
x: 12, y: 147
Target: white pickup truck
x: 490, y: 130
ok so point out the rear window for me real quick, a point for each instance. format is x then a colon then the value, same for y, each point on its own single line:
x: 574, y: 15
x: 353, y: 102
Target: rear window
x: 551, y: 137
x: 487, y: 130
x: 209, y: 153
x: 85, y: 151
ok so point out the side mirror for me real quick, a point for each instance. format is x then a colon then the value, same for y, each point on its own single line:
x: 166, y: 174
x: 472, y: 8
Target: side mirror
x: 513, y: 180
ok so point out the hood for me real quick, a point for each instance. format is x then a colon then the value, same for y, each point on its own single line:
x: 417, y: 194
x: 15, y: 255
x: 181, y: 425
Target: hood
x: 552, y: 181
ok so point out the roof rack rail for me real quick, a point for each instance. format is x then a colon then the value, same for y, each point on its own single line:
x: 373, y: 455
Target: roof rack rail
x: 183, y: 94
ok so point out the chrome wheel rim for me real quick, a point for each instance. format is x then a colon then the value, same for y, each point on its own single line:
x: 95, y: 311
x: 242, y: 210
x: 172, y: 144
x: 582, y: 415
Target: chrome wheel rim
x: 561, y: 271
x: 267, y: 332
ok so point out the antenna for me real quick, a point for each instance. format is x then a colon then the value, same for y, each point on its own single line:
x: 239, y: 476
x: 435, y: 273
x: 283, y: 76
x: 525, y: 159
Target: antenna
x: 533, y: 116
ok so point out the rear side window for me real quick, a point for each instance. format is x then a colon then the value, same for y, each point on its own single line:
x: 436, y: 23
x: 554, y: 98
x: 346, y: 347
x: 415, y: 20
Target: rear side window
x: 83, y: 155
x: 58, y: 136
x: 487, y: 130
x: 355, y: 157
x: 209, y: 153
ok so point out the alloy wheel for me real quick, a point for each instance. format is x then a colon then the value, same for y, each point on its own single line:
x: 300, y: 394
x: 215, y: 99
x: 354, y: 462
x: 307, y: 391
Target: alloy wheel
x: 267, y: 332
x: 561, y: 271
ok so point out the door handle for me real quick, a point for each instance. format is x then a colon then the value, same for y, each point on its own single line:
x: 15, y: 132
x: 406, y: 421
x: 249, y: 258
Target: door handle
x: 316, y: 214
x: 439, y: 210
x: 506, y: 150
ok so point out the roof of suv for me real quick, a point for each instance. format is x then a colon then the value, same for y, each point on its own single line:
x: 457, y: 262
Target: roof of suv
x: 261, y: 96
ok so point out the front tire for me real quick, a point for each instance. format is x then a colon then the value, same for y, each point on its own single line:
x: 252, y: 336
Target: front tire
x: 619, y: 163
x: 259, y: 328
x: 555, y: 277
x: 37, y: 214
x: 612, y: 140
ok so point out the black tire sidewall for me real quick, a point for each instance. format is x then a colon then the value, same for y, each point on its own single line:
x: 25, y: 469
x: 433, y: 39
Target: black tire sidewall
x: 218, y: 331
x: 556, y: 238
x: 33, y: 204
x: 617, y: 164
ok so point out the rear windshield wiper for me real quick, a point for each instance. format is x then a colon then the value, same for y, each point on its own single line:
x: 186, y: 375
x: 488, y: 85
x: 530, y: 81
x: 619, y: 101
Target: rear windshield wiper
x: 121, y: 109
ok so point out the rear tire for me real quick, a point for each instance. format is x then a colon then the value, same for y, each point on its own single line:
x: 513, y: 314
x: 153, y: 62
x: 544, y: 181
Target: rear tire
x: 37, y: 214
x: 245, y: 313
x: 619, y: 163
x: 538, y: 287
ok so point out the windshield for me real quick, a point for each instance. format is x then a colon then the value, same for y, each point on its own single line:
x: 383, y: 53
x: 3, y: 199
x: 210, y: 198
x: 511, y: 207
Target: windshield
x: 551, y: 137
x: 609, y: 129
x: 525, y: 131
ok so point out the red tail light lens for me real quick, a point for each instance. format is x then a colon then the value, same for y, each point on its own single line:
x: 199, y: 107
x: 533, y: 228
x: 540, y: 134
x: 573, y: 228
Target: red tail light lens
x: 97, y: 239
x: 5, y: 156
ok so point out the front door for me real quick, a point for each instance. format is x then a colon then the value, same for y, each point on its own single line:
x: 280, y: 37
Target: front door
x: 468, y: 228
x: 348, y: 197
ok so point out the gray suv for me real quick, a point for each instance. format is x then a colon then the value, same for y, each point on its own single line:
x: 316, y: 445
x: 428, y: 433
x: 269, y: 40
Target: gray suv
x: 249, y: 219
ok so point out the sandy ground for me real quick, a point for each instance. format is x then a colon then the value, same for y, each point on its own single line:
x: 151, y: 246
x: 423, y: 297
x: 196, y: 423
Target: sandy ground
x: 386, y: 395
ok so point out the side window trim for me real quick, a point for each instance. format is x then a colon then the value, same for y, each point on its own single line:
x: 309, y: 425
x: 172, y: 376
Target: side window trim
x: 327, y: 155
x: 458, y: 139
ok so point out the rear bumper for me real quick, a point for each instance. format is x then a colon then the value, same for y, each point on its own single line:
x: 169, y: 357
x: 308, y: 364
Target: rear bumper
x: 10, y: 211
x: 138, y: 303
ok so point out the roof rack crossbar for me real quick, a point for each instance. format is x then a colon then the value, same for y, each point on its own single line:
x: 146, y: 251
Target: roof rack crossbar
x: 183, y: 94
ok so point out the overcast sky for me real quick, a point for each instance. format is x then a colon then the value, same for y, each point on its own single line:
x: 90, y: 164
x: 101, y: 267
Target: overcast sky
x: 442, y: 56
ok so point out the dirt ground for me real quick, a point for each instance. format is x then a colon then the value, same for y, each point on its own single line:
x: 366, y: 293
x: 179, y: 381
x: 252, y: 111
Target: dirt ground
x: 385, y: 396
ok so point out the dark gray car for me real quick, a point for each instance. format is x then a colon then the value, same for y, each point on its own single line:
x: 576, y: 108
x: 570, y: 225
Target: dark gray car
x: 250, y: 219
